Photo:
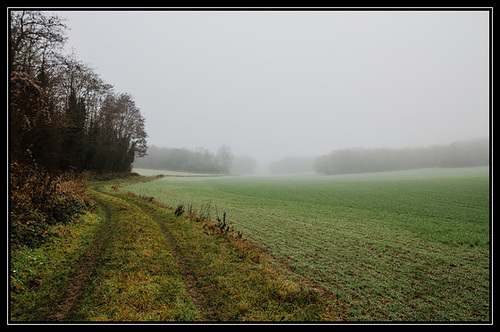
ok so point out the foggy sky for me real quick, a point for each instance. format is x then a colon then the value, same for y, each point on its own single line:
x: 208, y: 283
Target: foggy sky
x: 294, y: 83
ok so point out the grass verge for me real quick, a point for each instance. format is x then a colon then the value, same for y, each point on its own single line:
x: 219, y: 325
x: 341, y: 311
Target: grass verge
x: 131, y: 259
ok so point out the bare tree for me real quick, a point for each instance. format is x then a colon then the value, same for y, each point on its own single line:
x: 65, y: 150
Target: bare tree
x: 34, y: 39
x: 224, y: 158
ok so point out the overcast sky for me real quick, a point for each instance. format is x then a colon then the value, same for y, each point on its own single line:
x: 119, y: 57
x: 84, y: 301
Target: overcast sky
x: 294, y: 83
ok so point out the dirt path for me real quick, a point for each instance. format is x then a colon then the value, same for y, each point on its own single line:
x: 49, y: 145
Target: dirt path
x: 86, y: 266
x: 207, y: 313
x: 114, y: 206
x: 146, y: 264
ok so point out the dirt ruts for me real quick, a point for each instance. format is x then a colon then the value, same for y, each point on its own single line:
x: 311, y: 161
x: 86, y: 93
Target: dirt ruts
x: 144, y: 264
x: 207, y: 313
x: 89, y: 262
x: 86, y: 266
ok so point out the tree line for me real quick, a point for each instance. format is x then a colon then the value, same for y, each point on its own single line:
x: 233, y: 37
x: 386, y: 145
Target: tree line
x: 64, y: 120
x: 200, y: 160
x: 363, y: 160
x: 61, y: 112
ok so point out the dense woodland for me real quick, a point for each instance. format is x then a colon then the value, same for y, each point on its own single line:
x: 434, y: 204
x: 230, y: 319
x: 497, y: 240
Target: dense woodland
x: 61, y: 109
x: 64, y: 121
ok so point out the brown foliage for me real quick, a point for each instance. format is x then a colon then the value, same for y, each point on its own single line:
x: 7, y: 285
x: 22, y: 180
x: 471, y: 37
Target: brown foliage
x: 39, y: 200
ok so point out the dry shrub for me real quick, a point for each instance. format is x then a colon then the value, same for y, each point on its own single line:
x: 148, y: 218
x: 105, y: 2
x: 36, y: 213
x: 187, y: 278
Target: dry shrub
x: 39, y: 200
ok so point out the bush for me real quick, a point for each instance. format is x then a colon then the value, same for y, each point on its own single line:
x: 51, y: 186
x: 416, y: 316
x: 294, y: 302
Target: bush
x: 39, y: 200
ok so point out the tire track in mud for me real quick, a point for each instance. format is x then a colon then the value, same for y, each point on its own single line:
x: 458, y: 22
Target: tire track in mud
x: 87, y: 264
x: 206, y: 312
x: 114, y: 209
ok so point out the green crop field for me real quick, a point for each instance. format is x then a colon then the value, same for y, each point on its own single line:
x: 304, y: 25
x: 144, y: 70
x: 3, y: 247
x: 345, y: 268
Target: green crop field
x: 400, y: 246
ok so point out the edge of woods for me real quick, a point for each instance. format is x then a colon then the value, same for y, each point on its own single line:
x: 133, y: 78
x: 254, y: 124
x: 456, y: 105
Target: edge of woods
x: 131, y: 258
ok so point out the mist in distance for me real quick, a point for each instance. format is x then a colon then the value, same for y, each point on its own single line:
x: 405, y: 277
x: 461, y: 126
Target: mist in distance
x: 276, y: 84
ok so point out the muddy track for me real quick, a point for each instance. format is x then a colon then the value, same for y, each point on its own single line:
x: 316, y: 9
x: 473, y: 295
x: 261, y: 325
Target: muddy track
x: 206, y: 312
x: 140, y: 260
x: 89, y: 262
x: 86, y: 267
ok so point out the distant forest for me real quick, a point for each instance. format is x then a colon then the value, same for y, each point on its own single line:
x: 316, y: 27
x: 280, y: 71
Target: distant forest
x: 62, y: 114
x: 362, y: 160
x: 200, y: 160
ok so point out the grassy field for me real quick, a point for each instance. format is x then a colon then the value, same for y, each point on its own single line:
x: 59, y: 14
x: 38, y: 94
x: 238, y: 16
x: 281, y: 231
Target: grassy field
x: 408, y: 245
x: 131, y: 259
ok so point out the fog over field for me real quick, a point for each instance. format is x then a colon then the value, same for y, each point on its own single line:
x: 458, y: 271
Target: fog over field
x: 272, y: 84
x: 214, y: 165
